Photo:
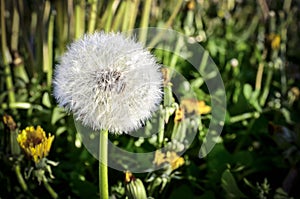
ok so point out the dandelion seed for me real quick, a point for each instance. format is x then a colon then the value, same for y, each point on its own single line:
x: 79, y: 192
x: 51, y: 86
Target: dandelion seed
x: 109, y: 82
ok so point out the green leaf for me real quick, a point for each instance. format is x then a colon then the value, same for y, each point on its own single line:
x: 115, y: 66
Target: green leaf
x: 287, y: 115
x: 230, y: 186
x: 57, y: 114
x: 46, y: 100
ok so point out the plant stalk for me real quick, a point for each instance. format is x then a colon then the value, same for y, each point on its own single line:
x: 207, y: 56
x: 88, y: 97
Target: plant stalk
x: 6, y: 57
x: 145, y: 21
x: 103, y: 172
x: 93, y: 16
x: 20, y: 177
x: 79, y: 19
x: 50, y: 189
x: 167, y: 25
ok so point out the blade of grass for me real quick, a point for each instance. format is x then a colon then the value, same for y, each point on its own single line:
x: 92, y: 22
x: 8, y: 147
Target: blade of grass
x: 50, y: 49
x: 260, y: 71
x: 93, y: 16
x: 145, y: 21
x: 29, y: 61
x: 118, y: 18
x: 134, y: 7
x: 6, y: 57
x: 79, y: 18
x: 18, y: 69
x: 46, y: 50
x: 109, y: 14
x: 61, y: 26
x: 168, y: 24
x: 71, y: 29
x: 126, y: 16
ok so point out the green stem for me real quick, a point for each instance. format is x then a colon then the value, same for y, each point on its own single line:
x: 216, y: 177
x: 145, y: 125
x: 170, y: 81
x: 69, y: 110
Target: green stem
x: 103, y: 177
x: 47, y: 10
x: 20, y: 178
x: 93, y: 16
x: 6, y: 57
x: 15, y: 28
x: 167, y: 25
x: 16, y: 105
x: 161, y: 127
x: 266, y: 87
x: 118, y: 18
x: 50, y: 49
x: 109, y: 13
x: 50, y: 189
x: 79, y: 18
x: 244, y: 116
x: 145, y: 20
x: 134, y: 7
x: 126, y: 16
x: 61, y: 26
x: 259, y: 75
x: 203, y: 63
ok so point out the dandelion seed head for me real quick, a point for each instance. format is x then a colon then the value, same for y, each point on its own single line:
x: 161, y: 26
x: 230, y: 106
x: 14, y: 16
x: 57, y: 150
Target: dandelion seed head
x: 108, y: 81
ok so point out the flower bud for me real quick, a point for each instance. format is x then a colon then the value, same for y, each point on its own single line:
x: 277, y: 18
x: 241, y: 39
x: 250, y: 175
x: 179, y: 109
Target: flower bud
x: 134, y: 187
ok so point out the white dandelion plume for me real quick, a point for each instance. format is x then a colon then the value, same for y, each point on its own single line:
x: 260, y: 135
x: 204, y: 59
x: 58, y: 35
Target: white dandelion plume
x: 108, y: 81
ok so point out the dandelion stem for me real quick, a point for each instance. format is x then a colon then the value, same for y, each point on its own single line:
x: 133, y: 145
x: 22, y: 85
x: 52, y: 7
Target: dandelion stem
x: 161, y: 128
x: 50, y: 189
x: 20, y: 178
x: 103, y: 178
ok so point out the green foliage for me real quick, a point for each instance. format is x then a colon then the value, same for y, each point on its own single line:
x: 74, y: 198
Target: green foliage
x: 255, y: 45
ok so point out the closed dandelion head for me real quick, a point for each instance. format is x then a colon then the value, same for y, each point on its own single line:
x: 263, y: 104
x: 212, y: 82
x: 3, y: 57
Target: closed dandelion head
x: 109, y: 82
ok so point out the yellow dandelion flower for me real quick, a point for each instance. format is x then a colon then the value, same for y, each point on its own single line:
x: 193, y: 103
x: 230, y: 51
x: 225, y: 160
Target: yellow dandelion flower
x: 192, y: 105
x: 129, y: 176
x: 159, y: 158
x: 191, y: 5
x: 35, y: 143
x: 174, y: 160
x: 202, y: 108
x: 169, y: 157
x: 275, y: 40
x: 179, y: 115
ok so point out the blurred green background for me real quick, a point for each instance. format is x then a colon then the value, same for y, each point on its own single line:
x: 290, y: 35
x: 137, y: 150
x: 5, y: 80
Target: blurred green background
x: 255, y: 45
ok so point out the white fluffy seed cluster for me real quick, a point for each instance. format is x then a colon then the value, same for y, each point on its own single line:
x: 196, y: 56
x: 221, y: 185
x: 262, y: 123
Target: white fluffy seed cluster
x: 108, y: 81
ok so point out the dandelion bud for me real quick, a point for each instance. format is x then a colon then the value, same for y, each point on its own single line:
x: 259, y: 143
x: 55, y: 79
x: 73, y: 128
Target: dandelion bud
x: 134, y: 187
x: 109, y: 82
